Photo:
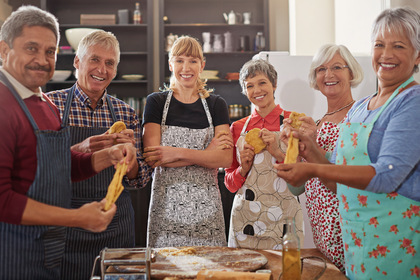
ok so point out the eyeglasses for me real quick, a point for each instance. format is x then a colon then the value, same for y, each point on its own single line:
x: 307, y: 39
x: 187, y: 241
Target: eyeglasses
x: 335, y: 69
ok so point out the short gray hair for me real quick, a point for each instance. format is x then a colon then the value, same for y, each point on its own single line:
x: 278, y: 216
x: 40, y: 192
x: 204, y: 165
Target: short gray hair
x: 325, y: 53
x: 254, y: 67
x: 27, y: 16
x: 102, y: 38
x: 405, y: 21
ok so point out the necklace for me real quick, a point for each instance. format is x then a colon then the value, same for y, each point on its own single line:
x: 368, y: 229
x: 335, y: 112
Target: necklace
x: 333, y: 112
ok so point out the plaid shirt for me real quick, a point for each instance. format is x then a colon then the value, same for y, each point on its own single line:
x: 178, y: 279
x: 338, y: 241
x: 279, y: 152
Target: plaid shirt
x: 82, y: 115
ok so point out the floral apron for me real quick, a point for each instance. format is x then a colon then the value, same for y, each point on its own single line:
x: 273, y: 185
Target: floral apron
x: 380, y: 230
x: 261, y: 205
x: 186, y: 206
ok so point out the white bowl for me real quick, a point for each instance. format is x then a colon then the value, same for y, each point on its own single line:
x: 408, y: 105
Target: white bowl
x: 74, y: 35
x: 61, y: 75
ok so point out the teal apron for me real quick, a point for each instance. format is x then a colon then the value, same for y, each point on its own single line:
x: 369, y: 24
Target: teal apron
x: 380, y: 238
x: 35, y: 252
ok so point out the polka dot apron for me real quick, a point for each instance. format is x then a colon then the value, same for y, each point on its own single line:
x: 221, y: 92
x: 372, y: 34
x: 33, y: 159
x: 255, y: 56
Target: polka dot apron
x: 380, y: 230
x: 261, y: 205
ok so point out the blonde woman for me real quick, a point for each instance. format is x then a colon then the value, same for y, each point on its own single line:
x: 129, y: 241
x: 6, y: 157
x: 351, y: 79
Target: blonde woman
x: 179, y: 125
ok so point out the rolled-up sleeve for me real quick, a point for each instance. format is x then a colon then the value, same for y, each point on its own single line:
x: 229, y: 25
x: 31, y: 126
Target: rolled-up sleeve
x: 394, y: 149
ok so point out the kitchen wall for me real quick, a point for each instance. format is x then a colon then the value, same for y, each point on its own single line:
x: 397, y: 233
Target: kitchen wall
x: 5, y: 10
x: 314, y: 23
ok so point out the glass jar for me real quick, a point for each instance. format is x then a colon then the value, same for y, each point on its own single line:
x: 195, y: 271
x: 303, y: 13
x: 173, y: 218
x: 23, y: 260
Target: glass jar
x: 259, y: 42
x: 240, y: 111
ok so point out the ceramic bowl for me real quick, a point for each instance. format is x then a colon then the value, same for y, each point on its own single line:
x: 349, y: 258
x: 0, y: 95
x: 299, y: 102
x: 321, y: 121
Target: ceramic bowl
x: 74, y: 35
x: 132, y: 77
x: 61, y: 75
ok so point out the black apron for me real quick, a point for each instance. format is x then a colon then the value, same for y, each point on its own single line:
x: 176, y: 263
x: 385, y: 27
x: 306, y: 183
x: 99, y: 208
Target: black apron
x: 83, y: 246
x: 35, y: 252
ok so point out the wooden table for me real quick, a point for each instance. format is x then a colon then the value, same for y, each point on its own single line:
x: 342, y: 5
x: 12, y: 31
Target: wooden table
x: 311, y: 267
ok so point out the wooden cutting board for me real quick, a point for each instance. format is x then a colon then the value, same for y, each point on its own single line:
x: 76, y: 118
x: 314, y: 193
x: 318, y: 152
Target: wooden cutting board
x: 186, y: 262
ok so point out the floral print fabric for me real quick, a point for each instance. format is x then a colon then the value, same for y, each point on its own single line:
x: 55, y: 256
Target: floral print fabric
x: 322, y: 205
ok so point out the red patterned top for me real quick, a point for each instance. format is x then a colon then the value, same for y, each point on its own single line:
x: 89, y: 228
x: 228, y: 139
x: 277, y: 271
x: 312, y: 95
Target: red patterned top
x: 322, y: 205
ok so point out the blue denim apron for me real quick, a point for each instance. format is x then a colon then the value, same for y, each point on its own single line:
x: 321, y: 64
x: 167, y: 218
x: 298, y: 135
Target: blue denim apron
x: 35, y: 252
x: 83, y: 246
x: 380, y: 236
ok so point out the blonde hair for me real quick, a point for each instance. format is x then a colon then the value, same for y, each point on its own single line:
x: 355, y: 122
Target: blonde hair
x: 188, y: 46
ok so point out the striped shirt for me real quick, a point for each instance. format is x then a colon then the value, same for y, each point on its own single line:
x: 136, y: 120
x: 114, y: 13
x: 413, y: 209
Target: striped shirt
x: 82, y: 115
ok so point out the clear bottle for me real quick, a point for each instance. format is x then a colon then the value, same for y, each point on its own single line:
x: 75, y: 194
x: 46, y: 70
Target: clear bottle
x: 137, y: 14
x: 291, y: 252
x: 259, y: 42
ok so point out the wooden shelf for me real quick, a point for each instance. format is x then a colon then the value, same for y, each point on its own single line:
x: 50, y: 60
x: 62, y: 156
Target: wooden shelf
x: 136, y: 41
x: 212, y: 20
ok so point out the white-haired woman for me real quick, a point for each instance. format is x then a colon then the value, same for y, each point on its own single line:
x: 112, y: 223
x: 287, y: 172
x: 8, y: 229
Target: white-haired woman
x: 376, y: 170
x: 334, y: 71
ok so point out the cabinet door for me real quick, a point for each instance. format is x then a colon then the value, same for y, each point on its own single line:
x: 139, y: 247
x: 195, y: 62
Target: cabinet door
x: 195, y: 17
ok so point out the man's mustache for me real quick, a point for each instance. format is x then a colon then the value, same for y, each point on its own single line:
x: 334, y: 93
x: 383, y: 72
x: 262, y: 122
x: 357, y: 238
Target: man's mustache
x: 39, y: 68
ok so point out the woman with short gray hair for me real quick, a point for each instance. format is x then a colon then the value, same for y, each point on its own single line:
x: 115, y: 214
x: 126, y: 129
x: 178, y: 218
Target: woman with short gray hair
x: 262, y: 201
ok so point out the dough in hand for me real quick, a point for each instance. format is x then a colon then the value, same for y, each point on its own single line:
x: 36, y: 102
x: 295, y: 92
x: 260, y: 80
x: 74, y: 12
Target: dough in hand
x: 117, y: 127
x: 293, y: 144
x: 253, y: 139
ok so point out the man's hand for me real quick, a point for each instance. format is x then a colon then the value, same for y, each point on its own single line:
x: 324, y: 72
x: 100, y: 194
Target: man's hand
x: 98, y: 142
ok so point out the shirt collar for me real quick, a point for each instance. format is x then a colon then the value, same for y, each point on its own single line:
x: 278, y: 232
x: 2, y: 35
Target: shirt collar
x: 23, y: 91
x: 272, y: 118
x: 84, y: 98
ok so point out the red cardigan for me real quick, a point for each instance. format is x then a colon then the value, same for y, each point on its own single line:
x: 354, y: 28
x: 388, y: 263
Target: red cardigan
x: 18, y: 160
x: 233, y: 179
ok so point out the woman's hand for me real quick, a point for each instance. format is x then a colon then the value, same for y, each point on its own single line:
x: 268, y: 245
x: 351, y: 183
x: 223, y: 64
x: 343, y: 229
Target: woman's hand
x: 308, y: 127
x: 247, y: 159
x: 307, y: 133
x: 271, y: 140
x: 221, y: 141
x: 294, y: 174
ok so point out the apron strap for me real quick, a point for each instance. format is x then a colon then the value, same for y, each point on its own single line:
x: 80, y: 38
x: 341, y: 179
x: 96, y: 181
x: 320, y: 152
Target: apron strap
x: 166, y: 109
x: 397, y: 91
x: 19, y: 99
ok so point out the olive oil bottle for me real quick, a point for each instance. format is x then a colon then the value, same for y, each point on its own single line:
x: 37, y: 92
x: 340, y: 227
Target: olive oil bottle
x: 291, y: 252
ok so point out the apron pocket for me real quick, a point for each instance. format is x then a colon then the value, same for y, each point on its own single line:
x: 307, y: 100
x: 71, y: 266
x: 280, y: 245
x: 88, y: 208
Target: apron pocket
x: 54, y: 242
x: 355, y: 246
